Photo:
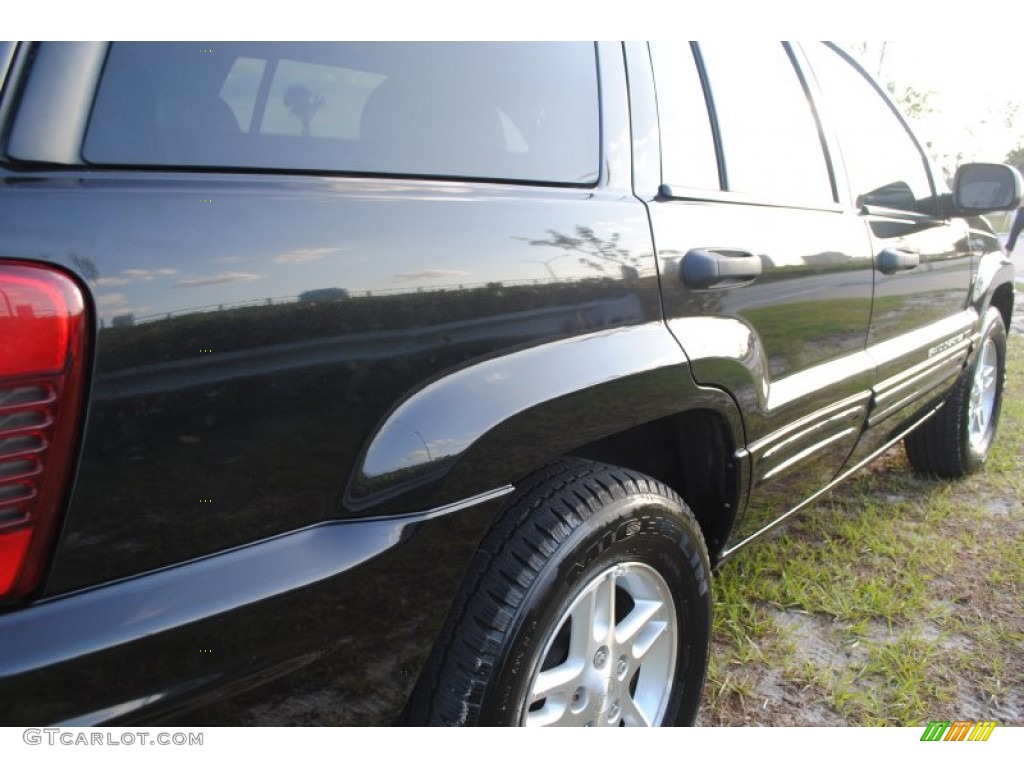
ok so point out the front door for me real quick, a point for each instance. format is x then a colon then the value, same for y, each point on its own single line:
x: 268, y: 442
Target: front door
x: 920, y: 321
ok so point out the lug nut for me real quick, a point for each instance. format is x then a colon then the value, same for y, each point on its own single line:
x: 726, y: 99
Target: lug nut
x: 579, y: 700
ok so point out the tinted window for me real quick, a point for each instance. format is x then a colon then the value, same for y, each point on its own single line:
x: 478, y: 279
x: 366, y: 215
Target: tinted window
x: 769, y: 132
x: 687, y: 145
x: 521, y: 111
x: 884, y: 165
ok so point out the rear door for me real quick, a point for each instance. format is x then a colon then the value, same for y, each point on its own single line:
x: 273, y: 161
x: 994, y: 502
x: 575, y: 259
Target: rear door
x: 766, y: 277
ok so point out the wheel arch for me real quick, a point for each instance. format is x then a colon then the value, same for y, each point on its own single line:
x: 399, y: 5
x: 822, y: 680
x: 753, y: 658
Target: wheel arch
x: 1002, y: 299
x: 490, y: 424
x: 694, y: 452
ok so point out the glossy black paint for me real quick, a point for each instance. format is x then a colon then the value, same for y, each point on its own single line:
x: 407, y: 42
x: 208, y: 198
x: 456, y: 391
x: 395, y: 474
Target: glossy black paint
x: 253, y: 332
x: 332, y: 381
x: 210, y: 402
x: 134, y: 649
x: 211, y: 345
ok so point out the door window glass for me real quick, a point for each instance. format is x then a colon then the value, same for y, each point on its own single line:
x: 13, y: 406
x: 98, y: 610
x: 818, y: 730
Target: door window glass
x: 688, y: 156
x: 883, y: 163
x: 769, y: 132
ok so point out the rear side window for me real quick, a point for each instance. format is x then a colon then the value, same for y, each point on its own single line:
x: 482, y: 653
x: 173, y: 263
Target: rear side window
x: 515, y: 111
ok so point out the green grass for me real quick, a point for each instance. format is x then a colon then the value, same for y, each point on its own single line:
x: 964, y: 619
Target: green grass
x: 892, y: 602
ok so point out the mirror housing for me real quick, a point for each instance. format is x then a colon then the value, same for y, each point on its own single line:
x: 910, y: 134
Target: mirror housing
x: 986, y: 187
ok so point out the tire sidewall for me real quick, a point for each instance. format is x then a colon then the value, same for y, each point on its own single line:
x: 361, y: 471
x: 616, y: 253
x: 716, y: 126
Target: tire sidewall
x: 644, y: 528
x: 994, y: 330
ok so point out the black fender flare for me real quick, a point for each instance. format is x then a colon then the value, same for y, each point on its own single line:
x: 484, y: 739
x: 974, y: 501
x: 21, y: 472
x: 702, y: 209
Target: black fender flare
x: 484, y: 426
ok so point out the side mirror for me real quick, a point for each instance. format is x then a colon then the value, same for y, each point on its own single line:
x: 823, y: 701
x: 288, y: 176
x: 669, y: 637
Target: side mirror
x: 986, y: 187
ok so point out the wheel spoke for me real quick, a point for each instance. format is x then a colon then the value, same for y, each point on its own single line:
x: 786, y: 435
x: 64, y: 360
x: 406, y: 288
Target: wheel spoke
x: 554, y: 712
x: 575, y: 719
x: 558, y: 712
x: 562, y: 679
x: 641, y: 629
x: 632, y: 714
x: 592, y: 618
x: 637, y: 620
x: 653, y: 634
x: 988, y: 379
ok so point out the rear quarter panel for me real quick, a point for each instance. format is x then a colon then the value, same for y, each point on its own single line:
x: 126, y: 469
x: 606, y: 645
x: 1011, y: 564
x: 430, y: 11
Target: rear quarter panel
x: 226, y: 406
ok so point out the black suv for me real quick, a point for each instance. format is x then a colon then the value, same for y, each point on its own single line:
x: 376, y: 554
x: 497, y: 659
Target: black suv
x: 455, y: 365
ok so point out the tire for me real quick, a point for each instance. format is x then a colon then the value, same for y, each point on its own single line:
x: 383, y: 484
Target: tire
x: 530, y: 641
x: 956, y: 440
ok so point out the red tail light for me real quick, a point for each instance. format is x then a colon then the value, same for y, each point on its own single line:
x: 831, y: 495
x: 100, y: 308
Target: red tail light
x: 42, y: 357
